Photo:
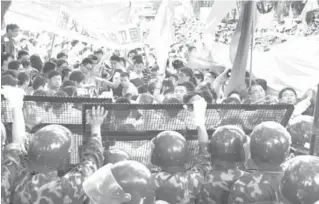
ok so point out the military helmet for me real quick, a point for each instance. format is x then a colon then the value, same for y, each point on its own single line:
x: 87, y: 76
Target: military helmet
x: 115, y: 155
x: 269, y: 143
x: 227, y: 144
x: 300, y: 183
x: 300, y: 129
x: 170, y: 149
x: 49, y: 149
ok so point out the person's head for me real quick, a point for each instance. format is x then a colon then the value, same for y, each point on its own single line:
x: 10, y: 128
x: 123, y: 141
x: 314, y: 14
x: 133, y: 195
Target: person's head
x: 49, y: 149
x: 61, y: 63
x: 113, y: 156
x: 168, y: 85
x: 208, y: 96
x: 262, y: 83
x: 8, y: 80
x: 227, y: 144
x: 99, y: 54
x: 13, y: 73
x: 182, y: 89
x: 172, y: 113
x: 12, y: 30
x: 14, y: 65
x: 24, y: 80
x: 174, y: 79
x: 288, y: 95
x: 210, y: 77
x: 145, y: 98
x: 66, y: 73
x: 36, y: 62
x: 125, y: 79
x: 6, y: 59
x: 131, y: 54
x: 170, y: 150
x: 62, y: 56
x: 199, y: 77
x: 299, y: 184
x: 86, y: 65
x: 48, y: 67
x: 26, y: 64
x: 115, y: 60
x: 78, y: 77
x: 256, y: 93
x: 178, y: 64
x: 40, y: 83
x: 124, y: 182
x: 55, y: 80
x: 185, y: 75
x: 70, y: 90
x: 121, y: 113
x: 68, y: 83
x: 300, y: 129
x: 138, y: 65
x: 41, y: 93
x: 23, y: 55
x: 269, y: 145
x: 117, y: 75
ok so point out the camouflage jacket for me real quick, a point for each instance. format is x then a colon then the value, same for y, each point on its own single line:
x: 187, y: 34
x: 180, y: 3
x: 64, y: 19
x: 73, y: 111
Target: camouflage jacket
x: 19, y: 185
x: 182, y: 187
x: 258, y: 187
x: 218, y: 184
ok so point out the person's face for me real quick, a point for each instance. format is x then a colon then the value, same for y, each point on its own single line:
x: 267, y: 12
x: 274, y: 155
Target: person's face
x: 125, y: 82
x: 25, y: 58
x: 131, y: 55
x: 14, y: 33
x: 288, y: 97
x: 138, y: 68
x: 257, y: 93
x: 151, y: 59
x: 114, y: 64
x: 87, y: 68
x: 64, y: 58
x: 99, y: 56
x: 182, y: 77
x: 56, y: 81
x: 180, y: 92
x: 209, y: 78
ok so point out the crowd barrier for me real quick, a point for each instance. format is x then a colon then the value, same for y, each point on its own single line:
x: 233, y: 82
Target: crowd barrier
x: 130, y: 127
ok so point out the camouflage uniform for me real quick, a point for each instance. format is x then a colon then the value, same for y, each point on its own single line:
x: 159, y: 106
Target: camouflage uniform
x: 178, y: 186
x: 269, y: 146
x: 227, y: 149
x: 19, y: 185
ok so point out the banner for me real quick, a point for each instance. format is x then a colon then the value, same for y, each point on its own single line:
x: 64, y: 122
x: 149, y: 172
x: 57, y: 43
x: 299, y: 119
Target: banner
x: 124, y: 36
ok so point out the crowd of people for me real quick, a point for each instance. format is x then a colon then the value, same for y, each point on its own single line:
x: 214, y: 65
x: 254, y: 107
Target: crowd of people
x: 231, y: 167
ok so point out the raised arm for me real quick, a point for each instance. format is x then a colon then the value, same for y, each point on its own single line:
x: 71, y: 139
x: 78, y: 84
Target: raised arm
x: 91, y: 161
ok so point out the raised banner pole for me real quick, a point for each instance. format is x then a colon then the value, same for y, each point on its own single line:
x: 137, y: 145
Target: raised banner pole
x: 315, y: 127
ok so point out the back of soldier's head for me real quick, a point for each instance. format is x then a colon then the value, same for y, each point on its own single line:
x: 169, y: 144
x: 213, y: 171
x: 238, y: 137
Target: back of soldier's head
x: 114, y: 156
x: 300, y: 183
x: 170, y: 150
x: 269, y: 144
x: 135, y: 179
x: 227, y: 144
x: 300, y: 129
x: 49, y: 149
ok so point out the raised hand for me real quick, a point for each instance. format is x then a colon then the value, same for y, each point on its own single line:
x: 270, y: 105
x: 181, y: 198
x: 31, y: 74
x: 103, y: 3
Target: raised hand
x: 97, y: 116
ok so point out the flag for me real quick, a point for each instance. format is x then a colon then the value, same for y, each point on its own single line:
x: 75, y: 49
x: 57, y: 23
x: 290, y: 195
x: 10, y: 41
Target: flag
x: 240, y: 46
x: 218, y: 11
x: 162, y: 35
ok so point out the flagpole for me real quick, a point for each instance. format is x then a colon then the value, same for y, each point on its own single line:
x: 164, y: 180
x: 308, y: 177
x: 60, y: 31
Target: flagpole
x: 251, y: 52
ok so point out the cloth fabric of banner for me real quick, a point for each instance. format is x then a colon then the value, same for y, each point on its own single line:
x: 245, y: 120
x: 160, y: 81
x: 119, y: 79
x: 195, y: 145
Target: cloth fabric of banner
x: 162, y: 33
